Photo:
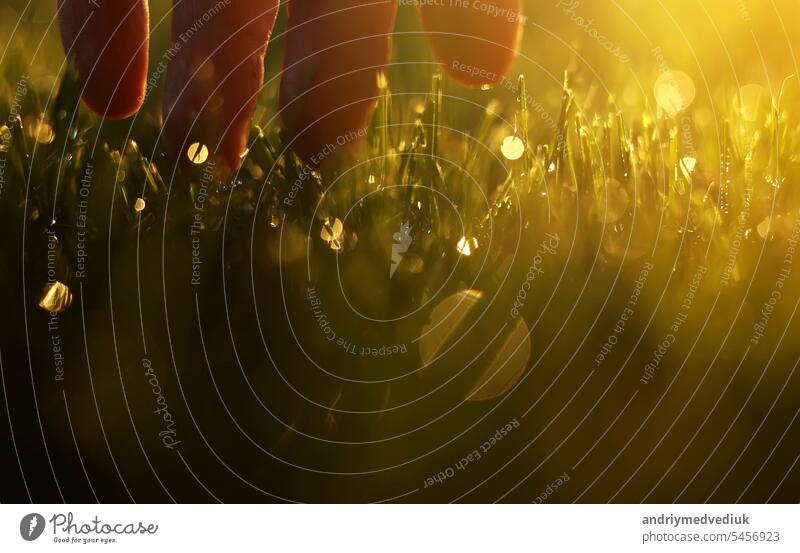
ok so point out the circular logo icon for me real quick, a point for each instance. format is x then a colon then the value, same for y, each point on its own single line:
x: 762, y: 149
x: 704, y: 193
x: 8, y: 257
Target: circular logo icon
x: 31, y: 526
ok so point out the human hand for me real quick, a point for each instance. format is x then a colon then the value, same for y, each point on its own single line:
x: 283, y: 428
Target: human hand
x: 334, y: 52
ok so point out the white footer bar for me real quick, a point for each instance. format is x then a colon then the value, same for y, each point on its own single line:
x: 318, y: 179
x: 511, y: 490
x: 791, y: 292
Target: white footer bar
x: 401, y: 528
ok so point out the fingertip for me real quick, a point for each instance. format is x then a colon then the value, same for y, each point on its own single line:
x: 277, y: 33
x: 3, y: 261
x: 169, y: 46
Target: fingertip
x: 475, y: 43
x: 329, y: 85
x: 215, y: 77
x: 114, y: 107
x: 108, y: 44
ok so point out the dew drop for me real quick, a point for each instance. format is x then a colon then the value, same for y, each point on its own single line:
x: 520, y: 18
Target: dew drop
x: 41, y: 131
x: 689, y: 164
x: 276, y: 218
x: 5, y: 138
x: 197, y: 153
x: 466, y: 246
x: 56, y: 297
x: 674, y: 91
x: 513, y: 147
x: 332, y: 233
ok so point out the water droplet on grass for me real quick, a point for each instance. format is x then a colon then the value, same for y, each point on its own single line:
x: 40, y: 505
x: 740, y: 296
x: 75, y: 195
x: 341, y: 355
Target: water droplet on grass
x: 333, y: 233
x: 197, y: 153
x: 56, y: 297
x: 467, y: 245
x: 41, y: 131
x: 513, y: 147
x: 276, y: 218
x: 674, y: 92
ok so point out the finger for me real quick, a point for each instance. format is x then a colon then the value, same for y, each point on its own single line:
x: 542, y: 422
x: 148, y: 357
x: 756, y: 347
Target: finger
x: 108, y: 42
x: 335, y: 50
x: 477, y: 42
x: 215, y: 75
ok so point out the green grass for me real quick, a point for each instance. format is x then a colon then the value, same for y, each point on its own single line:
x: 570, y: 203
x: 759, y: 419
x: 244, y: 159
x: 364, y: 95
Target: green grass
x: 605, y: 178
